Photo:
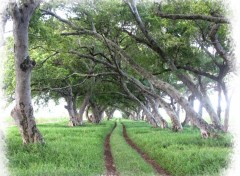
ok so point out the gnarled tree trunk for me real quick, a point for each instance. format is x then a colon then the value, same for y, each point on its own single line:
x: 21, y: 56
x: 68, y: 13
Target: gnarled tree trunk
x: 23, y: 110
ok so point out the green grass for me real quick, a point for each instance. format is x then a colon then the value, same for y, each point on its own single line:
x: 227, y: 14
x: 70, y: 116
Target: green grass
x: 68, y: 151
x: 128, y: 162
x: 39, y: 120
x: 182, y: 154
x: 76, y: 151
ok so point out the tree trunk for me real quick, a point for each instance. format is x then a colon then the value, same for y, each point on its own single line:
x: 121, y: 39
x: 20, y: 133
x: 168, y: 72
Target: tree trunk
x: 187, y: 118
x: 23, y: 110
x: 71, y: 105
x: 97, y: 112
x: 71, y: 112
x: 176, y: 125
x: 109, y: 113
x: 155, y: 105
x: 149, y: 115
x: 202, y: 96
x: 82, y: 108
x: 219, y: 108
x: 97, y: 115
x: 200, y: 109
x: 227, y: 108
x: 89, y: 117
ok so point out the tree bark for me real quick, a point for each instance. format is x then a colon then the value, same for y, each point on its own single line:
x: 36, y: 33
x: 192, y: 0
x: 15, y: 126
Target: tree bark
x: 23, y: 110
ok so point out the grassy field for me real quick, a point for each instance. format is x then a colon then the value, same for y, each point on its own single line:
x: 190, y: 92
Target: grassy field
x: 182, y: 154
x: 79, y: 151
x: 68, y: 151
x: 128, y: 161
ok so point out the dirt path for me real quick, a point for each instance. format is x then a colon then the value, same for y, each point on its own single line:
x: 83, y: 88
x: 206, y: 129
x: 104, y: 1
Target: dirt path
x: 154, y: 164
x: 109, y: 163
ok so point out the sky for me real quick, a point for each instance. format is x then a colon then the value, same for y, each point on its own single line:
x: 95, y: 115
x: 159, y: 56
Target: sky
x: 233, y: 5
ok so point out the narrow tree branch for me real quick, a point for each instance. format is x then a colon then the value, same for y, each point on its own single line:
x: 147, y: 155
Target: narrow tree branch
x: 193, y: 17
x: 61, y: 19
x: 92, y: 75
x: 45, y: 60
x: 198, y: 72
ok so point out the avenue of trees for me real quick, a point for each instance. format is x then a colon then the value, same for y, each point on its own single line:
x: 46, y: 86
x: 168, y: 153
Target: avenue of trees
x: 139, y: 57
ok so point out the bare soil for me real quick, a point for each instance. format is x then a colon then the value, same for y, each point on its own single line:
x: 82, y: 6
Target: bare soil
x: 109, y: 162
x: 154, y: 164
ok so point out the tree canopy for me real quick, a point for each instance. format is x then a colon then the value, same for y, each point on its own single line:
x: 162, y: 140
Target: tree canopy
x: 139, y: 57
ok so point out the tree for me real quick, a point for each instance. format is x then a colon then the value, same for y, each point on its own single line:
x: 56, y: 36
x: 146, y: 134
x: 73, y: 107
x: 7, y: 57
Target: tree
x: 139, y: 63
x: 22, y: 113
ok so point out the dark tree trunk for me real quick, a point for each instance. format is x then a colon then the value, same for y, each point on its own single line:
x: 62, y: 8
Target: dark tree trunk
x: 97, y: 112
x: 23, y: 110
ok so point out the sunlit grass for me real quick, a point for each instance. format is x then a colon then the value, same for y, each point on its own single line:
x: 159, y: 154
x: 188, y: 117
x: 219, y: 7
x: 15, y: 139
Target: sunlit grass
x: 183, y: 153
x: 68, y: 151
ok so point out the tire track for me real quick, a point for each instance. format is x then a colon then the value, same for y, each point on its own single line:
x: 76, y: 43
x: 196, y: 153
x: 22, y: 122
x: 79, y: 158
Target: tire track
x: 109, y: 162
x: 145, y: 156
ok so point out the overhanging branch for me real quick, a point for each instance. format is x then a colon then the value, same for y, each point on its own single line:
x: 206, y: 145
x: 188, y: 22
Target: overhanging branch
x: 193, y: 17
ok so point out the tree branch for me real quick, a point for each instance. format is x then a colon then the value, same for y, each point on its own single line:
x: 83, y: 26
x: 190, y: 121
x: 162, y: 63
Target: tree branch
x: 193, y: 17
x: 47, y: 12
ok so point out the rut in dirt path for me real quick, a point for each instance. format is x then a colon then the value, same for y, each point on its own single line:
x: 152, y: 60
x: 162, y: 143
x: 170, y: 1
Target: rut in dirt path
x: 153, y: 163
x: 109, y: 163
